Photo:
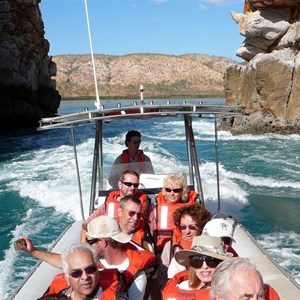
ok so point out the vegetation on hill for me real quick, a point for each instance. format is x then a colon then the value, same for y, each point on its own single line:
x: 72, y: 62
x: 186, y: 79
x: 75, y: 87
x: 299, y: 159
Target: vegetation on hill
x: 163, y: 76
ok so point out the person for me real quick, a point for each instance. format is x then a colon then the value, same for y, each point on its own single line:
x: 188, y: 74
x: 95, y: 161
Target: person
x: 131, y: 158
x: 81, y: 278
x: 238, y: 278
x: 136, y: 263
x: 174, y: 195
x: 131, y: 221
x: 202, y: 259
x: 189, y: 222
x: 223, y: 229
x: 114, y: 252
x: 128, y: 186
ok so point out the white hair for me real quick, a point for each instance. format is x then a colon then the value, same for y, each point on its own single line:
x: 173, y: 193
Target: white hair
x: 73, y: 249
x: 225, y: 271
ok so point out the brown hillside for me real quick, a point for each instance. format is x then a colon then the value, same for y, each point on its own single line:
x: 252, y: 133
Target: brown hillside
x: 121, y: 76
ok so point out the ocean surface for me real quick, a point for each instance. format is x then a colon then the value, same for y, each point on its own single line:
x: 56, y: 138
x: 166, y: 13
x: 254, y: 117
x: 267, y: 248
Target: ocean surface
x: 259, y: 183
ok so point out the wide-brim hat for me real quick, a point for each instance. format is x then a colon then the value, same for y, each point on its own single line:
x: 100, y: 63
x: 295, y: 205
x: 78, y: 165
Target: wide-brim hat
x: 107, y: 227
x: 203, y: 245
x: 218, y: 227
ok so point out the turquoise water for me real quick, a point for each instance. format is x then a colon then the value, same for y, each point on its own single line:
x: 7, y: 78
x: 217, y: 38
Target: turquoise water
x: 259, y: 179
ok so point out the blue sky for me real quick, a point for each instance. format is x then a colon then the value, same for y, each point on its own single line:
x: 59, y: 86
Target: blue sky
x: 120, y: 27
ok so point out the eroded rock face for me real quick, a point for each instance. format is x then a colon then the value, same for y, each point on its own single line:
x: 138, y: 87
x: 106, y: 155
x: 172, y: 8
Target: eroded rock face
x: 269, y: 85
x: 27, y: 92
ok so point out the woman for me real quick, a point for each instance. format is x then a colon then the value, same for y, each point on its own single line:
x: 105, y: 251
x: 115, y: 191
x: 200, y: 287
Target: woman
x: 201, y: 260
x: 189, y: 222
x: 175, y: 194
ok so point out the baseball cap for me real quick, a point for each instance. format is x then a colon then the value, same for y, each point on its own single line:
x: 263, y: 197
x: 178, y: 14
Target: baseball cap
x: 107, y: 227
x: 218, y: 227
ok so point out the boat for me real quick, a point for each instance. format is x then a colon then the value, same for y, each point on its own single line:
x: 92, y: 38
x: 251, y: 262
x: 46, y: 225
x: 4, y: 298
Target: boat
x: 36, y: 283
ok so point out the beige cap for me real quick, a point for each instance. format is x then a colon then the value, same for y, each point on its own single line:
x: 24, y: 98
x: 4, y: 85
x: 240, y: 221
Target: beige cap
x: 107, y: 227
x: 203, y: 245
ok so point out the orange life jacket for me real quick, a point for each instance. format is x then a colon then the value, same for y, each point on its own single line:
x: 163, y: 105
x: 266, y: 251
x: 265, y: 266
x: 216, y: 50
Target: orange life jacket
x: 164, y: 217
x: 171, y: 291
x: 112, y: 204
x: 109, y: 281
x: 270, y: 293
x: 139, y: 260
x: 126, y: 160
x: 179, y: 245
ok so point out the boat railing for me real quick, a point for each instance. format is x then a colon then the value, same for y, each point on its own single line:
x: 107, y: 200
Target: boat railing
x: 141, y: 111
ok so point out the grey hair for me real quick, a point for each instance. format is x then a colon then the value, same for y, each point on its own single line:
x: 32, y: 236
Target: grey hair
x: 225, y: 271
x: 132, y: 198
x: 73, y: 249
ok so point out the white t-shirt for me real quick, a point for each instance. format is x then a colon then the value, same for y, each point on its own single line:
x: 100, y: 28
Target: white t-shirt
x: 184, y: 285
x: 174, y: 268
x: 138, y: 286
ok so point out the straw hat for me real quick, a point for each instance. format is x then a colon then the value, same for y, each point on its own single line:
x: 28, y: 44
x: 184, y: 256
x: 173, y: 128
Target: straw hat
x: 107, y: 227
x: 203, y: 245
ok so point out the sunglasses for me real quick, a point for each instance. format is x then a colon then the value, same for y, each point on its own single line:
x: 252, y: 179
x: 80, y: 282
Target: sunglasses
x: 196, y: 261
x: 132, y: 213
x: 191, y: 227
x: 176, y: 191
x: 226, y: 240
x: 129, y: 184
x: 92, y: 241
x: 135, y: 141
x: 77, y: 273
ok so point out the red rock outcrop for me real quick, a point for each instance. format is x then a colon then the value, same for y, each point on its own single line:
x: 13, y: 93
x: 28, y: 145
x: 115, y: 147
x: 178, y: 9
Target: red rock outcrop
x: 27, y: 91
x: 269, y: 84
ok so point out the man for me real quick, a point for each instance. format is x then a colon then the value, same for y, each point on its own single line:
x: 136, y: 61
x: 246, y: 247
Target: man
x: 128, y: 186
x: 238, y: 278
x: 131, y: 158
x: 81, y: 278
x: 136, y: 263
x: 132, y: 221
x: 114, y: 251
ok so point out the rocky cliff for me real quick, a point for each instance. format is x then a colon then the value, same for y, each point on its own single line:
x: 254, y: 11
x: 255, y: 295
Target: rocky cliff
x: 269, y: 84
x: 27, y: 91
x: 192, y: 75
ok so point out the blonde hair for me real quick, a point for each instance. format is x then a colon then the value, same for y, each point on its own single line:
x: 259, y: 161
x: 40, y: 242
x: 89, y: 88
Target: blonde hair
x: 179, y: 180
x: 194, y: 281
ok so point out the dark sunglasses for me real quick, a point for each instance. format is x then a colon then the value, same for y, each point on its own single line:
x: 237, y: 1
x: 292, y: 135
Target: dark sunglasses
x: 176, y: 191
x: 226, y: 240
x: 132, y: 213
x: 129, y: 184
x: 135, y: 141
x: 191, y: 227
x: 196, y: 261
x: 77, y: 273
x: 92, y: 241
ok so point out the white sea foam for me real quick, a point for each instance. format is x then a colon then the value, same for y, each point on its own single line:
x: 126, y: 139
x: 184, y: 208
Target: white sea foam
x: 284, y: 247
x: 260, y: 181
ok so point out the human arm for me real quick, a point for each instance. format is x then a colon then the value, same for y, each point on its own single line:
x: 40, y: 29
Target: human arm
x: 148, y: 167
x: 98, y: 212
x: 51, y: 258
x: 115, y: 171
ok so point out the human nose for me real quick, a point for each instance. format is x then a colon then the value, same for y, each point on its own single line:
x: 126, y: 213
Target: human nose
x: 204, y: 265
x: 84, y: 275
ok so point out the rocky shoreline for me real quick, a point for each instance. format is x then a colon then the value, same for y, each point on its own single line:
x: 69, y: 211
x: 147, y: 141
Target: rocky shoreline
x: 32, y: 84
